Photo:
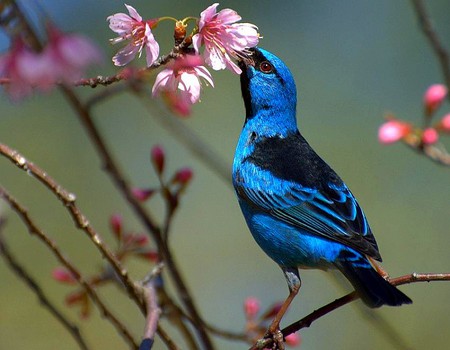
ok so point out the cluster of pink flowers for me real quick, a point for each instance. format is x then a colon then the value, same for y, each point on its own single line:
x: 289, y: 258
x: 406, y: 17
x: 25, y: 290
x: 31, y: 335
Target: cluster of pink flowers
x: 180, y: 83
x: 395, y: 130
x: 256, y: 326
x: 63, y: 60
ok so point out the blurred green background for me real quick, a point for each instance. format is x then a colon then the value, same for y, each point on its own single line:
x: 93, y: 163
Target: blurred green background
x: 353, y: 61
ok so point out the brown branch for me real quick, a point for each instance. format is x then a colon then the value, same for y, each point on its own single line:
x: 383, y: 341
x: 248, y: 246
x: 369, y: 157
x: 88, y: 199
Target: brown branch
x: 68, y: 200
x: 110, y: 166
x: 153, y: 309
x: 31, y: 283
x: 128, y: 74
x: 324, y: 310
x: 34, y: 229
x: 436, y: 152
x: 432, y: 36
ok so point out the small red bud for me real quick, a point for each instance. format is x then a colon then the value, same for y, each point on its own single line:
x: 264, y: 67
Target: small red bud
x: 293, y: 339
x: 62, y: 275
x: 445, y: 123
x: 430, y: 136
x: 142, y: 194
x: 433, y: 98
x: 149, y: 255
x: 157, y: 157
x: 183, y: 176
x: 116, y: 225
x: 252, y: 306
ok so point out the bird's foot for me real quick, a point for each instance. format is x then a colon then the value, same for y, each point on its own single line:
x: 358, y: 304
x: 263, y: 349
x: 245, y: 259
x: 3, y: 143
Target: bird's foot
x: 277, y: 339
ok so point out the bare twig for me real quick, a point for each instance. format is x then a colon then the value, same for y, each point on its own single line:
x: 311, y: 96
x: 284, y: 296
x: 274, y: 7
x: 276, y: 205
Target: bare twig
x: 111, y: 167
x: 309, y: 319
x: 68, y: 200
x: 34, y: 229
x: 153, y: 309
x: 21, y: 273
x: 432, y: 36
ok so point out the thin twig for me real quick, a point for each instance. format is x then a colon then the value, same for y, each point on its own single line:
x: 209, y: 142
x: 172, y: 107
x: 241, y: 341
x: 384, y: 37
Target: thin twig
x: 153, y: 309
x: 113, y: 170
x: 31, y: 283
x: 34, y: 229
x: 309, y: 319
x: 432, y: 36
x: 68, y: 200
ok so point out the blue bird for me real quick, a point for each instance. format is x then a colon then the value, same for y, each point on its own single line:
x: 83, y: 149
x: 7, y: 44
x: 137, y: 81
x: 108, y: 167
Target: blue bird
x: 297, y: 208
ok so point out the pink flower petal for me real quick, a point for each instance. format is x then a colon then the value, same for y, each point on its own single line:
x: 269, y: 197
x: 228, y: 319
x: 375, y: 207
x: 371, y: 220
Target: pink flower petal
x: 125, y: 55
x: 163, y: 81
x: 207, y: 15
x: 223, y: 38
x: 228, y: 16
x: 133, y: 13
x: 120, y: 23
x: 197, y: 40
x: 151, y: 47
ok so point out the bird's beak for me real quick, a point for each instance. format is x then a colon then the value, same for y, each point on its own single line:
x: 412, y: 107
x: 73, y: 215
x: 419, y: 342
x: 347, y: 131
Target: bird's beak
x: 247, y: 60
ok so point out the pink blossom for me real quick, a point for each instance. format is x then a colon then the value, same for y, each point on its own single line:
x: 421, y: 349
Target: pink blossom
x: 252, y: 306
x: 139, y: 34
x: 63, y: 59
x: 10, y: 68
x: 183, y: 78
x: 293, y: 339
x: 223, y: 38
x: 430, y: 136
x: 393, y: 131
x: 68, y: 55
x: 445, y: 122
x: 433, y: 97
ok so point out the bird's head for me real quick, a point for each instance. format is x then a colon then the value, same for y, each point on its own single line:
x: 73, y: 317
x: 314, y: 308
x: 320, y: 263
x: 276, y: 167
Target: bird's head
x: 268, y: 89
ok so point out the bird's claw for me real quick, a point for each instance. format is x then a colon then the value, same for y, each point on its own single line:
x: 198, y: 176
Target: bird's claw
x: 277, y: 339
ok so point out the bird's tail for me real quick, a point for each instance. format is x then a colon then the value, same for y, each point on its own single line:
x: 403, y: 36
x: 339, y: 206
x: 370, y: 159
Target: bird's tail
x: 373, y: 289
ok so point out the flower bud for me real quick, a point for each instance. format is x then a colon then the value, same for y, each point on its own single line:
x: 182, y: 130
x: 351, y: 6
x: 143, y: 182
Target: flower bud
x: 433, y: 98
x: 183, y: 176
x: 157, y: 156
x: 116, y: 225
x: 393, y: 131
x: 142, y: 194
x: 430, y: 136
x: 293, y: 339
x: 445, y: 123
x: 62, y: 275
x: 251, y: 307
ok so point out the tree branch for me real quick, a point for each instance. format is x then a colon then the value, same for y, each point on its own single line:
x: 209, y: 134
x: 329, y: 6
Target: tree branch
x: 21, y: 273
x: 432, y: 36
x: 324, y: 310
x: 119, y: 180
x: 34, y: 229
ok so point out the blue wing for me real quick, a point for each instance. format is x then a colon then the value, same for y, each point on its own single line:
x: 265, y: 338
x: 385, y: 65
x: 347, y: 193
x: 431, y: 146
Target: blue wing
x: 331, y: 212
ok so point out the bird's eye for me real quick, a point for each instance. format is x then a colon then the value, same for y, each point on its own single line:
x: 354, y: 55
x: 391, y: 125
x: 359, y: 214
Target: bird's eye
x: 265, y: 67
